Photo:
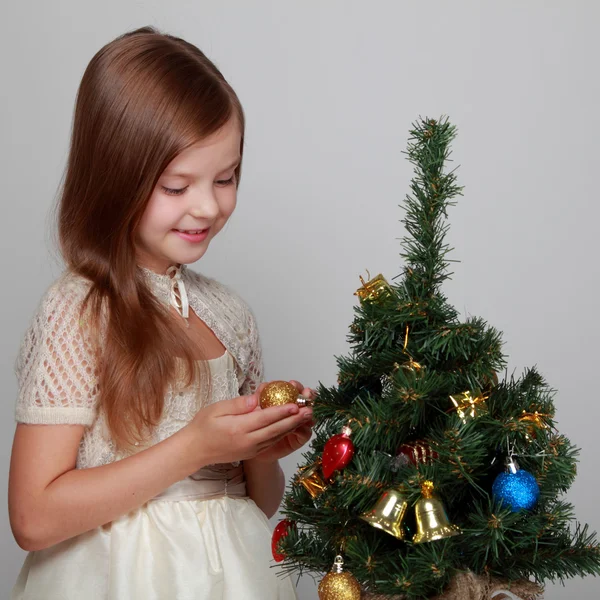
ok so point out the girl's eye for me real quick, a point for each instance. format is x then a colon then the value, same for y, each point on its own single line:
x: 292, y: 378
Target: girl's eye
x: 174, y: 192
x: 178, y: 192
x: 227, y: 181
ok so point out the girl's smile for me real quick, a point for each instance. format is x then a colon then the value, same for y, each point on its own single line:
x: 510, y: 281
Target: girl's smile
x: 192, y: 236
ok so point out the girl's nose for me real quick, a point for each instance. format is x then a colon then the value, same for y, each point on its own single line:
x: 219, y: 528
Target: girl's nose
x: 204, y: 205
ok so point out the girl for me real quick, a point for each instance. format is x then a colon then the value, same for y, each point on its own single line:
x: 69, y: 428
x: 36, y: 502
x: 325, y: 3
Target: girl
x: 142, y: 467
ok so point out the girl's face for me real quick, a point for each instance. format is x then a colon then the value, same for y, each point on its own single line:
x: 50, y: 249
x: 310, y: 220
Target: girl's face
x: 196, y: 192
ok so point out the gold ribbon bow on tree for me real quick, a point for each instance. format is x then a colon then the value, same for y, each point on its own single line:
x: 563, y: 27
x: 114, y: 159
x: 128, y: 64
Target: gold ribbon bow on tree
x: 411, y: 364
x: 469, y: 404
x: 535, y: 422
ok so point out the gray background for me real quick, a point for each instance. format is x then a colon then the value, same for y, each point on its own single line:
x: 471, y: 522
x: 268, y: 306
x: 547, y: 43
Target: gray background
x: 330, y: 90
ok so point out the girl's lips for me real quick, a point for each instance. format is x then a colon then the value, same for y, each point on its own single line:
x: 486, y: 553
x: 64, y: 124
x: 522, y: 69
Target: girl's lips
x: 192, y: 237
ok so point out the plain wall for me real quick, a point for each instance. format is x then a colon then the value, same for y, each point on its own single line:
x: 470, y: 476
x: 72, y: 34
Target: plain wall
x: 330, y: 89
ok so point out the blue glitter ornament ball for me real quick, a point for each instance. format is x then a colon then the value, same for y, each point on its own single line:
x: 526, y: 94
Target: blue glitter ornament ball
x: 516, y: 487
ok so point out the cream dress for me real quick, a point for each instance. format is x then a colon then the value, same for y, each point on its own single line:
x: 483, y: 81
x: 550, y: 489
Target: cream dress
x: 202, y: 538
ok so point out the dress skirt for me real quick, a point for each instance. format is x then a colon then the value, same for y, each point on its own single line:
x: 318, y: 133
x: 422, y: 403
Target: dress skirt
x: 186, y: 544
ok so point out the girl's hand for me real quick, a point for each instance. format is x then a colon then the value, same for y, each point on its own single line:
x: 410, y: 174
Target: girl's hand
x: 238, y: 429
x: 292, y: 441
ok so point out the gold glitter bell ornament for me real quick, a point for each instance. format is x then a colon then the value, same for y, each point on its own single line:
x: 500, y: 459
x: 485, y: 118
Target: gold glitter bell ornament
x: 388, y: 513
x: 339, y: 584
x: 277, y: 393
x: 432, y: 521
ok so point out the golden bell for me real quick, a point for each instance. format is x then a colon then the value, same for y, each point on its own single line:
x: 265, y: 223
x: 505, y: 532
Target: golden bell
x: 432, y: 521
x: 388, y: 513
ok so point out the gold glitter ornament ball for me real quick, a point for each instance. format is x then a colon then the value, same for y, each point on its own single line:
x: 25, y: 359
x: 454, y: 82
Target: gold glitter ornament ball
x: 277, y: 393
x: 339, y: 584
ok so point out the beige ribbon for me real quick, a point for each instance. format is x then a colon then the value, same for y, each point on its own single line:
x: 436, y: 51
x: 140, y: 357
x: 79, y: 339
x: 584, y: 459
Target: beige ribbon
x: 179, y: 297
x: 214, y: 481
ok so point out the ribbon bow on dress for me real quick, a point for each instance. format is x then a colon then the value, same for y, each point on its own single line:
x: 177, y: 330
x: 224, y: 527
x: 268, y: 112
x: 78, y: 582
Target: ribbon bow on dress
x: 179, y: 297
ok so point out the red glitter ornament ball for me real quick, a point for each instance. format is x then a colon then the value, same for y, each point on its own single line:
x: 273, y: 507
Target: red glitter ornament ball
x: 338, y: 452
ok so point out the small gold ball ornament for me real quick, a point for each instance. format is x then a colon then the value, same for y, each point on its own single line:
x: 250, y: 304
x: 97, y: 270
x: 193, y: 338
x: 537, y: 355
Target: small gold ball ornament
x: 339, y: 584
x: 277, y: 393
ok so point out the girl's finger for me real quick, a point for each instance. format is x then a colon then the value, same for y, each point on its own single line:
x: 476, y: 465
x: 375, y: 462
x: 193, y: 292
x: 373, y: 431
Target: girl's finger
x: 264, y: 446
x: 278, y: 428
x: 304, y: 432
x: 261, y: 387
x: 297, y: 385
x: 263, y: 417
x: 274, y: 440
x: 298, y: 441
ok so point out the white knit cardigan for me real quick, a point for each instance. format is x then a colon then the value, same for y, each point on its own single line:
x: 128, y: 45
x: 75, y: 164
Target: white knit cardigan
x: 56, y: 367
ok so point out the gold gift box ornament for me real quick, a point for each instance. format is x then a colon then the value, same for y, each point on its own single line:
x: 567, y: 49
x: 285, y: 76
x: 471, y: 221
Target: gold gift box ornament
x: 311, y: 479
x: 374, y: 289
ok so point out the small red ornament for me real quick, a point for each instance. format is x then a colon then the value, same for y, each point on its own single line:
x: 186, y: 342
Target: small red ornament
x: 338, y: 452
x: 279, y: 532
x: 414, y: 453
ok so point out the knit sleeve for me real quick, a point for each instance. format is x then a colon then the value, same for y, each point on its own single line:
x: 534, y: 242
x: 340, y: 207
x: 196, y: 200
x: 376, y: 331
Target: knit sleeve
x: 56, y: 367
x: 254, y: 374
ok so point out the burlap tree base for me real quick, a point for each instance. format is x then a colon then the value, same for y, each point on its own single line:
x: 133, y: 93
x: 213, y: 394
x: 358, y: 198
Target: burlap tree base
x: 468, y: 586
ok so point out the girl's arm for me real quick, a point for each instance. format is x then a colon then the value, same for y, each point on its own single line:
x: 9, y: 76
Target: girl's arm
x: 265, y: 484
x: 50, y: 500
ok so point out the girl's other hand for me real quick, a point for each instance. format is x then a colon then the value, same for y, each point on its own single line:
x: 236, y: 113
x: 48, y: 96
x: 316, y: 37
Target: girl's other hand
x: 289, y: 442
x: 238, y: 429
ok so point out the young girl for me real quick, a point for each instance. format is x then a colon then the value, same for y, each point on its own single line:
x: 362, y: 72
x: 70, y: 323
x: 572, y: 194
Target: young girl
x: 142, y: 466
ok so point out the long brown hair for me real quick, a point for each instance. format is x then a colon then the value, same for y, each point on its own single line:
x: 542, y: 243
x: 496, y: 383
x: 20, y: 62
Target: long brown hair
x: 144, y: 97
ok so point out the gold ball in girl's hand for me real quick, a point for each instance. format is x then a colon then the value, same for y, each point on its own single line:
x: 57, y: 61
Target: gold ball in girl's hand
x: 277, y: 393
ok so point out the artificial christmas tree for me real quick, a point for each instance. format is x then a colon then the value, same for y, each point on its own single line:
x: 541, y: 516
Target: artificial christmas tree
x: 411, y: 481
